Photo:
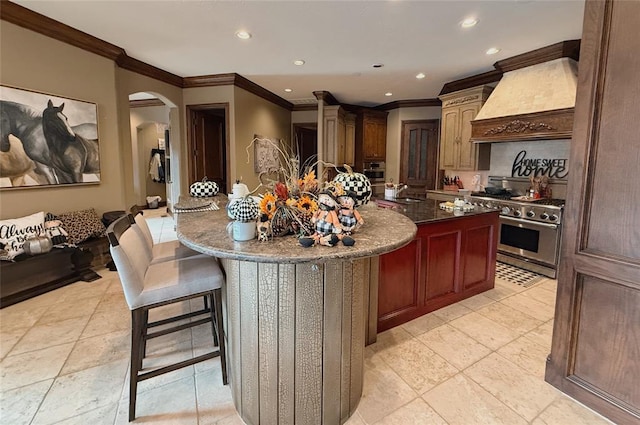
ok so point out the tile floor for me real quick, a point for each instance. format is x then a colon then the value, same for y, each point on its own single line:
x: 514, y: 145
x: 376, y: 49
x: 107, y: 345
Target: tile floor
x: 64, y: 360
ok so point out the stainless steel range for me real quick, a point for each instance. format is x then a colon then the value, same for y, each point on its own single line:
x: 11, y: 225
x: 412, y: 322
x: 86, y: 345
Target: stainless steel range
x: 530, y: 231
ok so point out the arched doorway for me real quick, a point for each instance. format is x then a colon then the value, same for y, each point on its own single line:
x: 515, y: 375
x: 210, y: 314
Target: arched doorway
x: 151, y: 119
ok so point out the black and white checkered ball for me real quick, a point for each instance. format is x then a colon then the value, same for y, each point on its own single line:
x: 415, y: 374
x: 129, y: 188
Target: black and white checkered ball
x: 357, y: 183
x: 204, y: 189
x: 245, y: 209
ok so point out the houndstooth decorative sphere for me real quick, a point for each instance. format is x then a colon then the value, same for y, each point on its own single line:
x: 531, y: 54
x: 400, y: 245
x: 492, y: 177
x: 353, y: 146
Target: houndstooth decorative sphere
x: 245, y: 209
x: 204, y: 189
x: 357, y: 183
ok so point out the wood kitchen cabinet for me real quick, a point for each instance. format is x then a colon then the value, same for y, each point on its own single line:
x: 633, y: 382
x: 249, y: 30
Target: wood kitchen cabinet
x: 371, y: 136
x: 457, y: 152
x: 339, y: 135
x: 448, y: 261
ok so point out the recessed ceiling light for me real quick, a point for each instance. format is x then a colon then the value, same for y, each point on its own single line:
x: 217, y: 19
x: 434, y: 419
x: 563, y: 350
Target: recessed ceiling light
x: 492, y: 51
x: 420, y: 76
x: 388, y: 94
x: 468, y: 23
x: 377, y: 65
x: 288, y: 90
x: 243, y: 35
x: 298, y: 62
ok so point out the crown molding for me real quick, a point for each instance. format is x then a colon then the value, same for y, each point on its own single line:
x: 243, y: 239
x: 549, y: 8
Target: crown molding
x: 209, y: 80
x: 409, y: 103
x: 326, y: 96
x: 563, y: 49
x: 143, y: 103
x: 143, y: 68
x: 46, y: 26
x: 26, y: 18
x: 305, y: 107
x: 473, y: 81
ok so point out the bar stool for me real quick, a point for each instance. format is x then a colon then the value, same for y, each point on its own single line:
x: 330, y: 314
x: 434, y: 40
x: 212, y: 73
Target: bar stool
x: 162, y: 251
x: 147, y: 286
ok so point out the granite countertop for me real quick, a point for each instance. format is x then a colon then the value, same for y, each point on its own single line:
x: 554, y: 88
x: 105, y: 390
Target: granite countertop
x: 205, y: 231
x: 428, y: 210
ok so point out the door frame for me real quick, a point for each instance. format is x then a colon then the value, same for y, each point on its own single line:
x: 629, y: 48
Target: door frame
x: 312, y: 125
x: 190, y: 115
x: 403, y: 125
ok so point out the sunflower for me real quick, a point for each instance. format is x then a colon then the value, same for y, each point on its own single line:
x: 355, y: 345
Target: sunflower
x: 291, y: 202
x: 307, y: 205
x: 268, y: 204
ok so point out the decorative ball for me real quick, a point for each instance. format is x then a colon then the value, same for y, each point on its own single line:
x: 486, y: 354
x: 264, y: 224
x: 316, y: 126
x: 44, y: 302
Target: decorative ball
x: 37, y: 245
x: 357, y: 183
x: 245, y: 209
x: 204, y: 189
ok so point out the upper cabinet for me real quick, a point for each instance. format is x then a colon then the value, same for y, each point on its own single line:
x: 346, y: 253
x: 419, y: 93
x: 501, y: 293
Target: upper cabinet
x: 371, y: 136
x: 457, y: 152
x: 339, y: 136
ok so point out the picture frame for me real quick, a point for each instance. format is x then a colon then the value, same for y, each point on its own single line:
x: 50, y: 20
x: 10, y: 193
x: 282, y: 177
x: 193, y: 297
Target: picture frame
x: 47, y: 140
x: 266, y: 154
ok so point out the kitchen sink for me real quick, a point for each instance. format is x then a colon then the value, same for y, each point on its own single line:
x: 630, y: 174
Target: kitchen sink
x: 409, y: 200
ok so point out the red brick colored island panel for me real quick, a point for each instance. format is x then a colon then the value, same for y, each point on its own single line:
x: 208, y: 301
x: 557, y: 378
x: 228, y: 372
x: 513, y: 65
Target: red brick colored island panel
x: 448, y: 261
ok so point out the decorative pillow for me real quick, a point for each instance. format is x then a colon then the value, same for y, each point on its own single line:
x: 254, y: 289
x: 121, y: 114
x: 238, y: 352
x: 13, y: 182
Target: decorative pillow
x: 82, y: 225
x: 13, y: 233
x: 54, y: 230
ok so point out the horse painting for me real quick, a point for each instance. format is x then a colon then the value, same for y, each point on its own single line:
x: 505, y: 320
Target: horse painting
x: 25, y: 124
x: 71, y: 155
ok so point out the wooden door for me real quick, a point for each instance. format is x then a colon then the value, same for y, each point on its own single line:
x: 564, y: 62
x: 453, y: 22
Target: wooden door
x: 208, y: 145
x: 595, y: 354
x: 306, y: 139
x: 466, y: 149
x: 449, y: 135
x: 419, y: 155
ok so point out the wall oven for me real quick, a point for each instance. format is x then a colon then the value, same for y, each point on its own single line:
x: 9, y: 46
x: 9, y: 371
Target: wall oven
x: 374, y: 171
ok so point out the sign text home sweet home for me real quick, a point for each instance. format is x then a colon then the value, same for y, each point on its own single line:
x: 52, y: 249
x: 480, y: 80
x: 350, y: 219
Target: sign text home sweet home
x: 554, y: 168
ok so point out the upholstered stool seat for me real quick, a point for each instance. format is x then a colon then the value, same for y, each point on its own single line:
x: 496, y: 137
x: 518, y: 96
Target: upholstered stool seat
x: 162, y: 251
x: 148, y: 284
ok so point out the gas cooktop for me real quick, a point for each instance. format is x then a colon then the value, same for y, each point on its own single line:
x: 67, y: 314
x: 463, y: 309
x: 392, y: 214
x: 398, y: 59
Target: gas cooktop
x: 508, y: 196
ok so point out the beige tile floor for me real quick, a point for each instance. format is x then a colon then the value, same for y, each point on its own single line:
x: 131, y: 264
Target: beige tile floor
x: 64, y: 360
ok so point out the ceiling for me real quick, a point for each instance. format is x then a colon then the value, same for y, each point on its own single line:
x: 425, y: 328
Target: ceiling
x: 338, y: 40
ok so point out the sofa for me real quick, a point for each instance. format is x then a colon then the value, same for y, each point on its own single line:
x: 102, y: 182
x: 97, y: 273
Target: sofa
x: 78, y: 241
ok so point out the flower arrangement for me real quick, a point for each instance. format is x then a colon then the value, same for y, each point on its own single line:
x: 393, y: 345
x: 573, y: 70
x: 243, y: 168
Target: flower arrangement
x: 291, y: 203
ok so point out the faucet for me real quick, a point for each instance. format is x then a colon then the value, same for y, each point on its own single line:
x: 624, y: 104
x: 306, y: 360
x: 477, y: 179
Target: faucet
x: 401, y: 189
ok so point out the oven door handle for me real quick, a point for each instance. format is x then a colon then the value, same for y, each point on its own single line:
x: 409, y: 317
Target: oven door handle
x: 529, y: 222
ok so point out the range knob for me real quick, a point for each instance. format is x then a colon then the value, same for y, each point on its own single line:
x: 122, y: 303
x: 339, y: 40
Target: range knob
x: 489, y: 205
x: 531, y: 214
x: 517, y: 213
x: 553, y: 217
x: 544, y: 216
x: 506, y: 210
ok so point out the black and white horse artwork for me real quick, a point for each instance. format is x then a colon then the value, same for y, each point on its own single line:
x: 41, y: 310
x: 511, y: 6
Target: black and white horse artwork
x: 25, y: 124
x: 71, y: 155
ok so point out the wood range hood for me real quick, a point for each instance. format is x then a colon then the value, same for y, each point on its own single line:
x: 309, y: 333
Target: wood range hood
x: 535, y: 98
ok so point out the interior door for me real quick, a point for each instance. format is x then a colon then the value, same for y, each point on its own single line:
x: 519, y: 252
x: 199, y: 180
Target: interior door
x: 306, y: 137
x: 595, y: 354
x: 419, y: 153
x: 208, y: 146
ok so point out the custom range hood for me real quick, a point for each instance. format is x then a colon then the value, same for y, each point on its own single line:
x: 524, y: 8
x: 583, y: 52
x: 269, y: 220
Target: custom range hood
x: 535, y: 98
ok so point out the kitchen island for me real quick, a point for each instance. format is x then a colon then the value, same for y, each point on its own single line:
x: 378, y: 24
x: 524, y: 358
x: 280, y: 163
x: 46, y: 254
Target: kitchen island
x: 295, y: 317
x: 450, y: 259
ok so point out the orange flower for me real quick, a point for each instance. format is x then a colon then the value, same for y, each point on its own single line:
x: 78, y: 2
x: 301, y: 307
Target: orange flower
x: 268, y: 204
x: 307, y: 205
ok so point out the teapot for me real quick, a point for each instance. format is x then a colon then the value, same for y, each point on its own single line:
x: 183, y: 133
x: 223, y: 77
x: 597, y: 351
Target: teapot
x: 240, y: 190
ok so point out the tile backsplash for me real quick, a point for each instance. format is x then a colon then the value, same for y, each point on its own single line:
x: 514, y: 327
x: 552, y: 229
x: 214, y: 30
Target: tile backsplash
x: 550, y: 155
